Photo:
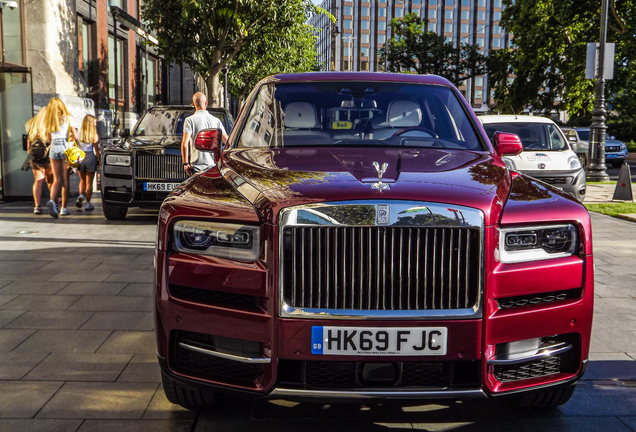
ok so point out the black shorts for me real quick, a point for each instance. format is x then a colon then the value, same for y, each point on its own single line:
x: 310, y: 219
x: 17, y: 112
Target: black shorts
x: 89, y: 164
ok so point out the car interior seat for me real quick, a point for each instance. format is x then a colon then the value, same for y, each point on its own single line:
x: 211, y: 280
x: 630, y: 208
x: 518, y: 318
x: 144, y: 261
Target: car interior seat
x: 400, y: 115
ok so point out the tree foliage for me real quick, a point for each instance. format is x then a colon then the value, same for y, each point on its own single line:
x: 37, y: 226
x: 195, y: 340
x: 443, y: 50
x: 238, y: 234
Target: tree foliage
x: 411, y: 47
x: 548, y: 56
x: 209, y: 34
x: 293, y: 51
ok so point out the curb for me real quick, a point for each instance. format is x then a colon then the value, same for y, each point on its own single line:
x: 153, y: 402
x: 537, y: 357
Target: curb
x: 630, y: 217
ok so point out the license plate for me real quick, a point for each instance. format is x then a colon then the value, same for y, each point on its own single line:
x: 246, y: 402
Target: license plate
x: 160, y: 187
x: 379, y: 341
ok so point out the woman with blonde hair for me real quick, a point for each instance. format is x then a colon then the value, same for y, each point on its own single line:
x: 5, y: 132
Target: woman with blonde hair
x: 41, y: 165
x: 59, y: 125
x: 88, y: 144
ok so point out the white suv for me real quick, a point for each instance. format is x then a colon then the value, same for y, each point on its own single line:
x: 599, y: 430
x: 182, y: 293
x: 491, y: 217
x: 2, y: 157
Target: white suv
x: 546, y: 155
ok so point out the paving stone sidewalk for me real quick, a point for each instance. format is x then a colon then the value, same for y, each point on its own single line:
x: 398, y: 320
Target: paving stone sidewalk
x: 77, y: 348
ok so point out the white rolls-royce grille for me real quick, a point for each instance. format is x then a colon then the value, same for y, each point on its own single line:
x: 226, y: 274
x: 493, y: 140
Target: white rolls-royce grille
x: 381, y: 268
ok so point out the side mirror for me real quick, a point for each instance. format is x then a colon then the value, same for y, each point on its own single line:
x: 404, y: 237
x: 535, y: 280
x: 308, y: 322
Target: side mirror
x: 507, y: 144
x: 209, y: 140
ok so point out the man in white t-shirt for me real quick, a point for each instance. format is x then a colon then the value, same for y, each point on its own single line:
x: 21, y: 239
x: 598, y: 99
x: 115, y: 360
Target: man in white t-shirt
x: 200, y: 120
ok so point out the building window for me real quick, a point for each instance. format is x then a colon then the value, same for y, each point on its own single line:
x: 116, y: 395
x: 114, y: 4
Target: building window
x: 449, y: 39
x: 432, y: 13
x: 498, y: 3
x: 364, y: 38
x: 448, y: 28
x: 466, y: 3
x: 381, y: 39
x: 382, y: 25
x: 480, y: 42
x: 365, y: 25
x: 117, y: 3
x: 347, y: 24
x: 365, y: 11
x: 116, y: 74
x: 345, y: 51
x: 85, y: 51
x: 481, y: 16
x: 431, y: 27
x: 449, y: 14
x: 416, y: 1
x: 479, y: 82
x: 496, y: 29
x: 364, y: 52
x: 497, y: 16
x: 465, y: 15
x: 416, y: 12
x: 482, y: 3
x: 465, y: 28
x: 479, y: 94
x: 382, y: 12
x: 12, y: 35
x: 433, y: 2
x: 449, y: 2
x: 496, y: 43
x: 399, y: 13
x: 348, y: 10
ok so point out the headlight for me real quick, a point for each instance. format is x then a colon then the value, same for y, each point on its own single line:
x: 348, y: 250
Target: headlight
x: 217, y: 239
x: 509, y: 163
x: 540, y: 243
x: 574, y: 162
x: 623, y: 146
x: 120, y: 160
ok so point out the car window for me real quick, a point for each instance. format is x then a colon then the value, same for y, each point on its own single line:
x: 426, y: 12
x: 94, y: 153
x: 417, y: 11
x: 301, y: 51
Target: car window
x: 584, y: 135
x: 356, y: 113
x: 168, y: 122
x: 534, y: 136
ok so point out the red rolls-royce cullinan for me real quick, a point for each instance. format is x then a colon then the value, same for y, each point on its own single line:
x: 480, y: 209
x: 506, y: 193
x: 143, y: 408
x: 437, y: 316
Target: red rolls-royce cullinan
x: 360, y: 238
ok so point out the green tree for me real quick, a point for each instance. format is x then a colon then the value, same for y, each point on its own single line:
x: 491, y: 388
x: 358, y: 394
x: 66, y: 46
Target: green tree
x: 293, y: 51
x: 209, y: 34
x: 411, y: 47
x: 545, y: 69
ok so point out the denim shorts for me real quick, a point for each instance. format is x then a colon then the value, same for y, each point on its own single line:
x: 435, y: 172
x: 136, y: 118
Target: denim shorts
x: 58, y: 147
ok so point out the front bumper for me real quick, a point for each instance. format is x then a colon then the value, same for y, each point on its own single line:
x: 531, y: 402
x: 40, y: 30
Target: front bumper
x: 249, y: 313
x: 572, y: 182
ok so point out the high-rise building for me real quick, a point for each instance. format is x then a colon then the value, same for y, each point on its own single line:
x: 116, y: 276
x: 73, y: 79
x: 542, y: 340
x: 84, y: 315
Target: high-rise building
x: 362, y: 28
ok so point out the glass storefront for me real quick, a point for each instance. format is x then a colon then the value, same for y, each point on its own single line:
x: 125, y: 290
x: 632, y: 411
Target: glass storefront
x: 12, y: 35
x: 16, y: 107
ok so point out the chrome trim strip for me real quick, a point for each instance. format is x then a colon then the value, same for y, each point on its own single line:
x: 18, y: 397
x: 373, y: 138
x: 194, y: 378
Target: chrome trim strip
x: 225, y: 356
x: 543, y: 354
x: 378, y: 394
x: 453, y: 215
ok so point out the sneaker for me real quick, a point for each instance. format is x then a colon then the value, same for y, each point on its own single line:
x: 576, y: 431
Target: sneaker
x: 65, y: 212
x: 80, y: 201
x: 52, y: 208
x: 58, y: 204
x: 37, y: 210
x: 89, y: 206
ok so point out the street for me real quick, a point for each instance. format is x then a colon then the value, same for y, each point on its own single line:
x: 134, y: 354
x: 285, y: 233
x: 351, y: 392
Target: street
x: 77, y: 350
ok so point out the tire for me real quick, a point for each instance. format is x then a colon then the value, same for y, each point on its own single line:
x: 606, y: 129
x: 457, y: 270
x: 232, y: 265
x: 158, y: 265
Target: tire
x: 546, y: 399
x: 114, y: 212
x: 188, y: 397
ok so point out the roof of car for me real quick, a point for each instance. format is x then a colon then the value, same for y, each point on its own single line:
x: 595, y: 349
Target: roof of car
x: 487, y: 119
x: 185, y: 107
x: 360, y: 76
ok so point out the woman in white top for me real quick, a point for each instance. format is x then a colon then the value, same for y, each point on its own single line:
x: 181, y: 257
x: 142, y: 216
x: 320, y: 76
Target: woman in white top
x: 57, y: 122
x: 92, y: 158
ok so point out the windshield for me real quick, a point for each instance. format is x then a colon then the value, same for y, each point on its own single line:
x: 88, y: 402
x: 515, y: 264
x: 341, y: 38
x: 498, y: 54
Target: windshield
x: 585, y: 135
x: 358, y: 114
x: 534, y: 136
x: 168, y: 122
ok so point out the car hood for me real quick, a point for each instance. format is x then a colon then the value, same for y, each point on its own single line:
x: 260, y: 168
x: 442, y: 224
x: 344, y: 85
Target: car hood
x: 155, y: 141
x: 272, y: 179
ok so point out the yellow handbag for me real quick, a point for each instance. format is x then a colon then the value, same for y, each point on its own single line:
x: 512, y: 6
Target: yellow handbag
x: 74, y: 155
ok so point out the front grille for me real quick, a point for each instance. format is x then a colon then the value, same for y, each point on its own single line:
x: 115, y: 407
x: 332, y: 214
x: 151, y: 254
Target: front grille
x: 538, y: 299
x: 348, y: 374
x: 206, y: 366
x: 557, y: 180
x: 163, y: 167
x: 381, y: 268
x: 612, y: 149
x: 212, y: 297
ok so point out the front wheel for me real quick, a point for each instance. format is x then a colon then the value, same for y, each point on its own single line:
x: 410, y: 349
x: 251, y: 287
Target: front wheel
x: 113, y: 212
x: 188, y: 397
x: 546, y: 399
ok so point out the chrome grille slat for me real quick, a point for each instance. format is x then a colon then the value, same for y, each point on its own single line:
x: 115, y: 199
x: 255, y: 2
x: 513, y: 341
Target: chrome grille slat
x: 160, y: 167
x: 354, y: 267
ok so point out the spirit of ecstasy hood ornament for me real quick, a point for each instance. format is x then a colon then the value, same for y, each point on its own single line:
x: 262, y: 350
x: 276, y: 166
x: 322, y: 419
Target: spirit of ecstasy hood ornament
x: 379, y: 185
